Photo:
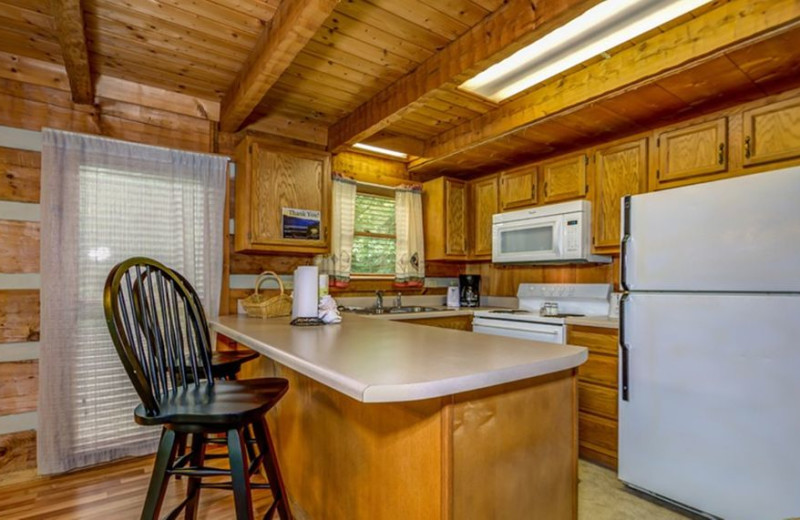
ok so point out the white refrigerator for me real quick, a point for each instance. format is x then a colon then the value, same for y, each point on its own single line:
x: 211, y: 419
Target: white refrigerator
x: 709, y: 406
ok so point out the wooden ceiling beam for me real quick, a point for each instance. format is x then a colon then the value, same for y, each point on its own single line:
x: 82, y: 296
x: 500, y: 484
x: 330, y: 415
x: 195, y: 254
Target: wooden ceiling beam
x: 732, y: 25
x: 292, y: 27
x: 68, y: 20
x: 511, y: 27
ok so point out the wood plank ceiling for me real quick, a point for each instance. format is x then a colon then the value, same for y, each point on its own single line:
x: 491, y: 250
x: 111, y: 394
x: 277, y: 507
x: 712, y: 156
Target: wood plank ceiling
x: 385, y: 71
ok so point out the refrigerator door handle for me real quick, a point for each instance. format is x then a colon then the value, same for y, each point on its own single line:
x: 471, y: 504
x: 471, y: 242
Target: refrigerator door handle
x: 623, y: 348
x: 626, y: 236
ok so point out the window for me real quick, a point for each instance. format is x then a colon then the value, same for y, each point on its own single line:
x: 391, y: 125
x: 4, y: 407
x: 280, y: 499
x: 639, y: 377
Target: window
x: 374, y: 240
x: 104, y: 201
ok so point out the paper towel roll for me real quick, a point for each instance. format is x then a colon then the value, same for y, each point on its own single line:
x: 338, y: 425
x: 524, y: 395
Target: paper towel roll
x: 306, y: 284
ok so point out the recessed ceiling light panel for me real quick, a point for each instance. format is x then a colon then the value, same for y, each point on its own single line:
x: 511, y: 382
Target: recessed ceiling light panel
x: 382, y: 151
x: 603, y: 27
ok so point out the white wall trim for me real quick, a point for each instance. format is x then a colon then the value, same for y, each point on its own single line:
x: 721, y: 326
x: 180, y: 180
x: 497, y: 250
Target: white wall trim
x: 19, y: 281
x: 21, y: 139
x: 18, y: 422
x: 10, y: 352
x: 26, y: 211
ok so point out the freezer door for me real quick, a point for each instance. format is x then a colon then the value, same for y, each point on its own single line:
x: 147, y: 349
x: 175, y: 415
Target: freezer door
x: 740, y: 234
x: 712, y: 418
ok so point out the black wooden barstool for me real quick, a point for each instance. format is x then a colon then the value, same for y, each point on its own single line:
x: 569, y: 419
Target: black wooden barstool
x: 170, y: 368
x: 224, y: 365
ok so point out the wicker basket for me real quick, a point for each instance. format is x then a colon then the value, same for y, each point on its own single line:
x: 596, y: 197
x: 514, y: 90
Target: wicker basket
x: 260, y: 306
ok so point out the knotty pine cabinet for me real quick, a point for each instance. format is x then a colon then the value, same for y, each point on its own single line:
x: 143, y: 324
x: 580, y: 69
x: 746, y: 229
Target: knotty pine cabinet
x: 271, y: 179
x: 448, y: 322
x: 564, y: 178
x: 619, y: 170
x: 445, y: 219
x: 519, y: 188
x: 484, y: 200
x: 771, y: 133
x: 690, y: 154
x: 597, y: 393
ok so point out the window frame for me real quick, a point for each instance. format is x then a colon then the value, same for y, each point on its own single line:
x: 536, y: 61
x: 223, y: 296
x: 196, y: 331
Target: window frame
x: 380, y: 191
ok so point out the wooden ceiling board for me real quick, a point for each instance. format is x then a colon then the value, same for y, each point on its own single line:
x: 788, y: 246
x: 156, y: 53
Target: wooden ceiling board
x: 464, y: 11
x: 340, y: 22
x: 423, y: 15
x: 14, y: 42
x: 772, y: 62
x: 337, y: 70
x: 368, y: 51
x: 353, y: 61
x: 392, y: 24
x: 261, y: 9
x: 172, y: 82
x: 450, y: 94
x: 719, y: 78
x: 314, y: 77
x: 222, y: 16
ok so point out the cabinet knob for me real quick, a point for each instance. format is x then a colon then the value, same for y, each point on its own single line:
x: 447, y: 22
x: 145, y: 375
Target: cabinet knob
x: 747, y: 147
x: 545, y: 189
x: 722, y: 153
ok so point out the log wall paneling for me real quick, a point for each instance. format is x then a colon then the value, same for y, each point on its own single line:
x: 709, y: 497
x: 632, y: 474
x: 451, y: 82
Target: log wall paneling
x: 19, y: 316
x: 19, y: 247
x: 17, y: 456
x: 19, y: 175
x: 19, y: 386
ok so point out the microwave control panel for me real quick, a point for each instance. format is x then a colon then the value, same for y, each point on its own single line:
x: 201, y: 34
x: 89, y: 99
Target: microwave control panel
x: 573, y: 234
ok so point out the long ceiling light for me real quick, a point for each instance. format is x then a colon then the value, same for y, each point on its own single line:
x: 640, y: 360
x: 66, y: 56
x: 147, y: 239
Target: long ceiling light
x: 382, y: 151
x: 603, y: 27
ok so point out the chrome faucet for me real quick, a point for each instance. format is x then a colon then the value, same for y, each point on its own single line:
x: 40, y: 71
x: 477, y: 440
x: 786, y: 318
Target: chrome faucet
x: 398, y: 300
x: 379, y: 300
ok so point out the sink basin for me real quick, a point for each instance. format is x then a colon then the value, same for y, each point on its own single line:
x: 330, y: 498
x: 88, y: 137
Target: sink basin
x: 389, y: 310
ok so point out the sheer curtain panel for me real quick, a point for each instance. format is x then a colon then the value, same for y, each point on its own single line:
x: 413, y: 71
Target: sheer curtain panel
x: 410, y: 251
x: 343, y: 220
x: 103, y: 201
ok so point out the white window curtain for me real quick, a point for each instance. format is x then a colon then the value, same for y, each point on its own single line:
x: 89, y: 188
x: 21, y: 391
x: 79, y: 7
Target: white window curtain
x: 410, y: 252
x: 103, y: 201
x: 343, y: 228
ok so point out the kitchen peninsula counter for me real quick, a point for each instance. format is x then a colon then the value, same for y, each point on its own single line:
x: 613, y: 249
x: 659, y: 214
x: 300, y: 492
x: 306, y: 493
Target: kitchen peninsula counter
x: 386, y: 420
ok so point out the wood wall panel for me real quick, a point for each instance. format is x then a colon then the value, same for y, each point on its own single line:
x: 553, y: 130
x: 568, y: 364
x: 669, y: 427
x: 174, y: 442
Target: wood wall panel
x: 19, y: 247
x: 19, y: 386
x: 17, y: 456
x: 19, y: 316
x: 19, y: 175
x: 502, y: 280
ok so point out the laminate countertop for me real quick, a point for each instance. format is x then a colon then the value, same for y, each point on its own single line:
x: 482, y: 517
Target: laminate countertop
x: 378, y: 361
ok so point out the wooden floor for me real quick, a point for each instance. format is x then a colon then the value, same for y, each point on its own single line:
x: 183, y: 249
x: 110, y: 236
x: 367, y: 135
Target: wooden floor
x: 109, y: 492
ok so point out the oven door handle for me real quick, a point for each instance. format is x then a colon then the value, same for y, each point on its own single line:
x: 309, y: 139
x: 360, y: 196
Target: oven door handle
x: 520, y: 329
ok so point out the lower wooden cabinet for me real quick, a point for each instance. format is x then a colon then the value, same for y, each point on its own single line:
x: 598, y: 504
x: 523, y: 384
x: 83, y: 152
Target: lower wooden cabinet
x: 597, y: 393
x: 449, y: 322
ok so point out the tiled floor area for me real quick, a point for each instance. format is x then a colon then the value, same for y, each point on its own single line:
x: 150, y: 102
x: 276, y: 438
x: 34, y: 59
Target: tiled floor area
x: 602, y: 497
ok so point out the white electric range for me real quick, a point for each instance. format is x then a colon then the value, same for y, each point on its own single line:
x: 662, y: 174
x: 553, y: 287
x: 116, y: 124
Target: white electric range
x: 528, y: 321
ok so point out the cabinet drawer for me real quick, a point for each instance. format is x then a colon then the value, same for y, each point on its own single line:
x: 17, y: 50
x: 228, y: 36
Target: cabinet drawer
x: 596, y: 339
x: 600, y: 369
x: 598, y: 400
x: 598, y: 432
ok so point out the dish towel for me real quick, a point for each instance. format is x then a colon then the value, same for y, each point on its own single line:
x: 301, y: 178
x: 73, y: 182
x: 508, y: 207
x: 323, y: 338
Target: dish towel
x: 328, y: 311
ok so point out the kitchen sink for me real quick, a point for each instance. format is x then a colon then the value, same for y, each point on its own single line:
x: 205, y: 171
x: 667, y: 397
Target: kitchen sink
x: 389, y: 310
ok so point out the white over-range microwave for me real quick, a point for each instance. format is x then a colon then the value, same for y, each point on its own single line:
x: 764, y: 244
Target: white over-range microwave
x: 553, y: 234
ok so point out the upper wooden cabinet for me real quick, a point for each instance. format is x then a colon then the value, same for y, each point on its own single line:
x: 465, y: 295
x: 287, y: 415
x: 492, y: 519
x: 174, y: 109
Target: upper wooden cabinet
x: 564, y: 179
x: 483, y: 203
x: 518, y: 188
x: 691, y: 154
x: 445, y: 217
x: 275, y: 184
x: 619, y: 170
x: 771, y: 133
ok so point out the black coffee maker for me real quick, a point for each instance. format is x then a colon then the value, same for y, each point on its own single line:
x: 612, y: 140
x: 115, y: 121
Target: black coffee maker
x: 469, y: 287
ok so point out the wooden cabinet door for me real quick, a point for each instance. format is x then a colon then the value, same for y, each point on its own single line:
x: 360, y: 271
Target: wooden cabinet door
x: 772, y: 133
x: 484, y: 195
x: 564, y: 179
x: 619, y: 170
x: 455, y: 196
x: 272, y: 181
x: 692, y: 154
x: 518, y: 188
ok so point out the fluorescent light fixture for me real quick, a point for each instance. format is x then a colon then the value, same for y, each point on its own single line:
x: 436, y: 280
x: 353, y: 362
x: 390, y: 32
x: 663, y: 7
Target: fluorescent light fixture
x: 378, y: 149
x: 603, y: 27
